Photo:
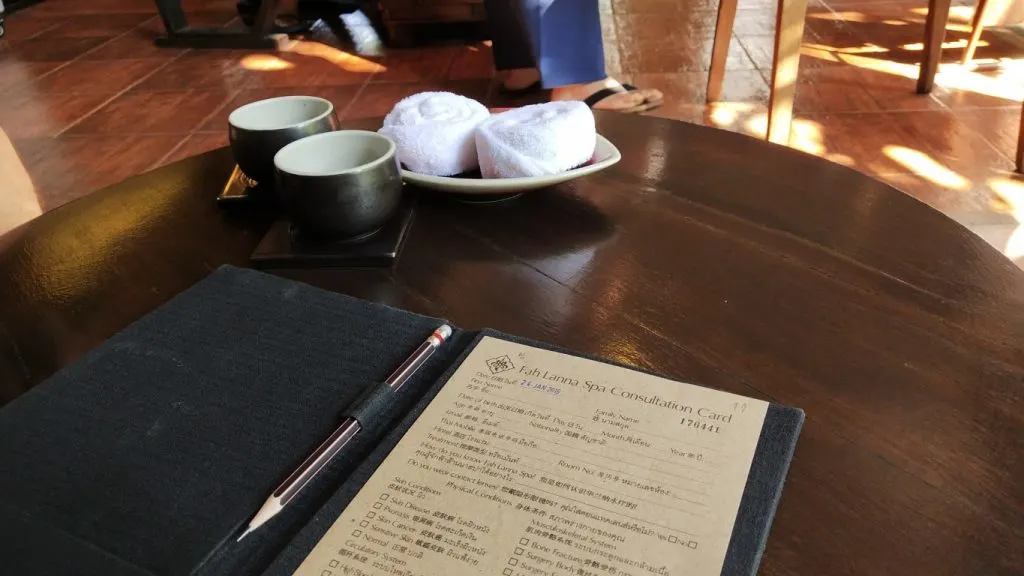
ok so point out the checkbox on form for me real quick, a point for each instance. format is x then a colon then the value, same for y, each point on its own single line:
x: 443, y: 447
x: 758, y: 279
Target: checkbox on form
x: 377, y: 506
x: 524, y: 541
x: 507, y: 572
x: 364, y: 523
x: 518, y: 552
x: 384, y: 496
x: 357, y: 533
x: 513, y: 561
x: 371, y: 515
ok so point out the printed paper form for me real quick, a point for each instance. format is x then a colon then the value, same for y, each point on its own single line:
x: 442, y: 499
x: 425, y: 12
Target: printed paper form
x: 536, y: 463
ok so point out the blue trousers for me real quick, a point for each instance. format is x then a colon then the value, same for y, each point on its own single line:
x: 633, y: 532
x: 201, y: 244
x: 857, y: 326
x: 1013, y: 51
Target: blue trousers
x: 561, y: 38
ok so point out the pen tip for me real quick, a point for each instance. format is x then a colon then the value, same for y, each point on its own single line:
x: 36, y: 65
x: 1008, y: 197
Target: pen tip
x: 244, y: 534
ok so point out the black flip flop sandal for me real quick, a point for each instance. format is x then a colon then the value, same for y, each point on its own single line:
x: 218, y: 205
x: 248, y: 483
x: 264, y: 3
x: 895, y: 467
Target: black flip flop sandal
x: 603, y: 93
x: 631, y: 88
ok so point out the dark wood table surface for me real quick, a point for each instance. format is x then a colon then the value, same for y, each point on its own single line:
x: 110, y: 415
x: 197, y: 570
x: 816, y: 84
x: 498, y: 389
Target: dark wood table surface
x: 704, y: 255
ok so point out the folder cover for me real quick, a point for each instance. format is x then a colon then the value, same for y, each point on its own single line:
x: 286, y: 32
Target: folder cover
x: 149, y: 454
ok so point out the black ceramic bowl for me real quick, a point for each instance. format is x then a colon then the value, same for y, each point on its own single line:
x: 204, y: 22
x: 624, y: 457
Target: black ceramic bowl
x: 259, y: 130
x: 339, y: 185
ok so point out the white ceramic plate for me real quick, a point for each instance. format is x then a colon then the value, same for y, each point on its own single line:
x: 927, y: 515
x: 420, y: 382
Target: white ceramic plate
x: 605, y: 155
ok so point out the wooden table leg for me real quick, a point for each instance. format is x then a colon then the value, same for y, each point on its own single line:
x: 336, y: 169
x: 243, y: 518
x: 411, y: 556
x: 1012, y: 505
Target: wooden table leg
x: 976, y: 28
x: 720, y: 48
x: 265, y: 18
x: 789, y: 32
x: 934, y: 34
x: 172, y: 15
x: 181, y: 35
x: 1020, y: 144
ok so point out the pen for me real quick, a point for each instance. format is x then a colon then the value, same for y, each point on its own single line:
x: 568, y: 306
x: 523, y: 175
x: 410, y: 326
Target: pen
x: 341, y: 436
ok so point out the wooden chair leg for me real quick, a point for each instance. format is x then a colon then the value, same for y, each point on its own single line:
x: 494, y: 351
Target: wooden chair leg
x: 720, y: 48
x: 976, y: 28
x: 1020, y: 144
x: 934, y: 34
x: 789, y: 32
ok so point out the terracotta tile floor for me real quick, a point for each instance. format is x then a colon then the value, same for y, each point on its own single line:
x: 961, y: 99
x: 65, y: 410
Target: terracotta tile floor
x: 87, y: 100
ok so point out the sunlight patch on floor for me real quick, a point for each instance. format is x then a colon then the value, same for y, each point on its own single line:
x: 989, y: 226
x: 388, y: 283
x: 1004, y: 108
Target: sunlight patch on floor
x: 344, y: 60
x: 264, y: 63
x: 919, y: 46
x: 819, y: 53
x: 885, y: 66
x: 961, y: 13
x: 864, y: 49
x: 1010, y: 191
x: 725, y: 116
x: 925, y: 166
x: 806, y: 135
x: 845, y: 16
x: 843, y: 159
x: 1006, y: 84
x: 758, y: 124
x: 978, y: 77
x: 1014, y: 249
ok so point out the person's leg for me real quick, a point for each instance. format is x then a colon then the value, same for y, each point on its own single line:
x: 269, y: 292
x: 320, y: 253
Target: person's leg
x: 512, y: 51
x: 569, y: 51
x: 558, y: 41
x: 510, y: 40
x: 566, y: 40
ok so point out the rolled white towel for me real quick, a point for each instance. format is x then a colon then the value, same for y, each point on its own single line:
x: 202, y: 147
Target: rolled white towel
x: 434, y: 132
x: 536, y: 140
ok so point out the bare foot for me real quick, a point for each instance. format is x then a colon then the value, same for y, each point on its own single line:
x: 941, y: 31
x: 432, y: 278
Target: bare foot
x: 624, y: 101
x: 520, y: 79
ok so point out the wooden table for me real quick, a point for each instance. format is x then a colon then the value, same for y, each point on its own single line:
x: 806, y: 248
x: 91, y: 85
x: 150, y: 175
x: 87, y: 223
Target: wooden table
x: 705, y: 255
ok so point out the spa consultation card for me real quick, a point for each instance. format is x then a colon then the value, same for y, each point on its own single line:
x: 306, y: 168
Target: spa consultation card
x: 531, y: 462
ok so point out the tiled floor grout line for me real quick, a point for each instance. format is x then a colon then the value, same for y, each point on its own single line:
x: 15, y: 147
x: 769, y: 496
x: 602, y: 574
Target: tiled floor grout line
x: 118, y: 95
x: 96, y: 47
x: 362, y: 88
x: 765, y: 74
x: 231, y: 96
x: 95, y: 134
x: 44, y: 31
x: 866, y: 112
x: 169, y: 153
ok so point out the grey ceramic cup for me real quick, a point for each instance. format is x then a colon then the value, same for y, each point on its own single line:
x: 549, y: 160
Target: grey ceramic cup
x: 257, y: 131
x: 339, y: 185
